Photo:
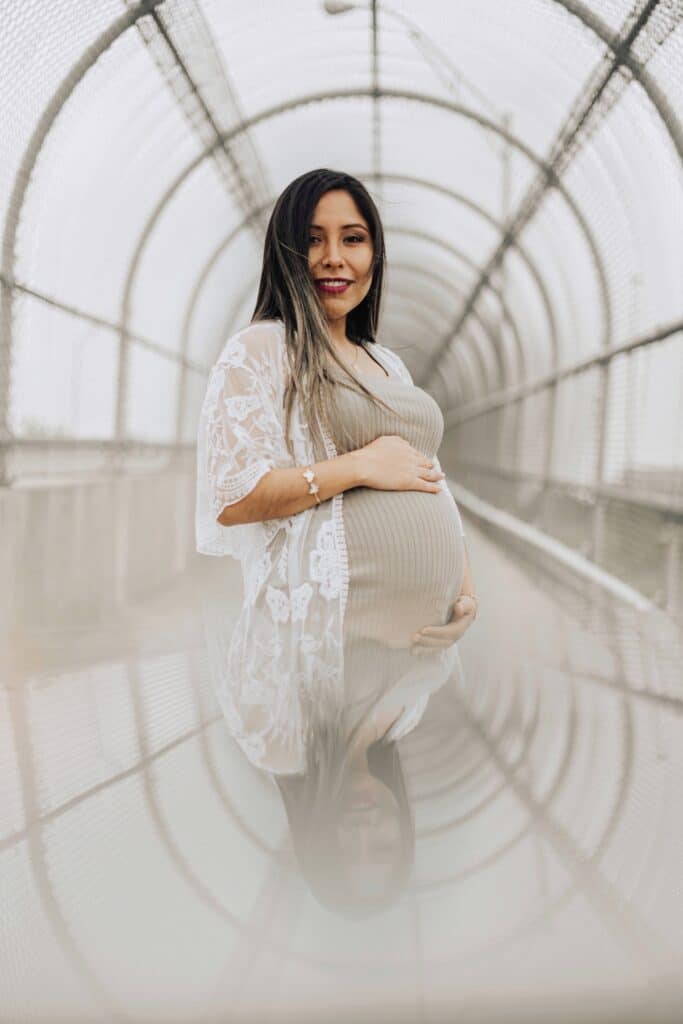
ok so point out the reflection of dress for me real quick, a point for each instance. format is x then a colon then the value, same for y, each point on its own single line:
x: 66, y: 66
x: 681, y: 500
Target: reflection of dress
x: 405, y: 552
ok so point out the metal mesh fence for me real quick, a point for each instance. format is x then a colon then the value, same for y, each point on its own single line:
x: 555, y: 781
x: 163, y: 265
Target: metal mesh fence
x: 527, y: 159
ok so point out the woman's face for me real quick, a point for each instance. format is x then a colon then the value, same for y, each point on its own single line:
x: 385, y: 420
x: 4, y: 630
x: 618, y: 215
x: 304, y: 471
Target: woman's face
x: 340, y: 253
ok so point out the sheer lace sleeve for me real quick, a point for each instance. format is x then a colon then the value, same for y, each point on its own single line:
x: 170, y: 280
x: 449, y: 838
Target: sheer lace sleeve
x: 241, y: 432
x: 404, y: 373
x: 275, y: 650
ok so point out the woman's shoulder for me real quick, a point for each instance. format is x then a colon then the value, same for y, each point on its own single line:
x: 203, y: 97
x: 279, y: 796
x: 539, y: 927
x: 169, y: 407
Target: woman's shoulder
x: 259, y: 343
x: 393, y: 360
x: 257, y: 334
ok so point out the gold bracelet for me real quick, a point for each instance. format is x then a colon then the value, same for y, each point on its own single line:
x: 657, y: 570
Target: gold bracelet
x: 309, y: 474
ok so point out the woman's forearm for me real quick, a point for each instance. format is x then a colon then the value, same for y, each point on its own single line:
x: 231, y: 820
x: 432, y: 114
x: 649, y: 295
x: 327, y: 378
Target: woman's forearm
x: 284, y: 492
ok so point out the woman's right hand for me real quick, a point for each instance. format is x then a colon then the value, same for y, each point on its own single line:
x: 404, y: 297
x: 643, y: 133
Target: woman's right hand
x: 390, y: 463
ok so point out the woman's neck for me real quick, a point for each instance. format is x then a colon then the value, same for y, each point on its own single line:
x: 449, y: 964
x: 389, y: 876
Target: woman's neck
x: 338, y: 332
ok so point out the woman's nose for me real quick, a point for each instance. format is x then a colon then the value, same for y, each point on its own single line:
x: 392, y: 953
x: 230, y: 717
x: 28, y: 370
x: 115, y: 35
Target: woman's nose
x: 331, y: 254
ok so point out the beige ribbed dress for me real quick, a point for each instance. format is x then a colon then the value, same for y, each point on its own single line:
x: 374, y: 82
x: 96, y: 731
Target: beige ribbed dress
x: 405, y: 551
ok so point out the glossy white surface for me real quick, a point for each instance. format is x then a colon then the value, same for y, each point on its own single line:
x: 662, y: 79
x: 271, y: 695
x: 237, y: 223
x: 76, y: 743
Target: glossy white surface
x: 147, y: 871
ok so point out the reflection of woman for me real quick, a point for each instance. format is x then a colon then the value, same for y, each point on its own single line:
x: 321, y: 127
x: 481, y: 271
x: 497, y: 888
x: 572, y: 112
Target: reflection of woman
x: 351, y: 823
x: 352, y: 609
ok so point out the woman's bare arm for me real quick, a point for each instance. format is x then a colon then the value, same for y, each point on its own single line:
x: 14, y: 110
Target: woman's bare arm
x: 284, y: 492
x: 387, y: 463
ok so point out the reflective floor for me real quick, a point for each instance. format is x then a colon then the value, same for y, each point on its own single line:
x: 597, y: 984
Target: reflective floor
x: 146, y: 867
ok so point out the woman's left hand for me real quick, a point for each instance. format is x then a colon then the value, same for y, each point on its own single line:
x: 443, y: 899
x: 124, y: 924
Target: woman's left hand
x: 464, y: 611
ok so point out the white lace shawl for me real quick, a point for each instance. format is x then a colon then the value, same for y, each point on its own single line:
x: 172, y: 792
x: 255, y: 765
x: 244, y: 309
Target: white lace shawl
x: 287, y: 641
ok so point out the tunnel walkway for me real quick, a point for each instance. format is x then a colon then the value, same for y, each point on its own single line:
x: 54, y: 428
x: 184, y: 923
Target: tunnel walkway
x: 525, y: 158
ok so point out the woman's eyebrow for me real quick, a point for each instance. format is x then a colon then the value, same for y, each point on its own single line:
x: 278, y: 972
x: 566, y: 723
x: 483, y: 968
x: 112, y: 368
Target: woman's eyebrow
x: 318, y: 227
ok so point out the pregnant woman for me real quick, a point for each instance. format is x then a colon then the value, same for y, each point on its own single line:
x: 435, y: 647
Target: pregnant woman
x: 317, y: 468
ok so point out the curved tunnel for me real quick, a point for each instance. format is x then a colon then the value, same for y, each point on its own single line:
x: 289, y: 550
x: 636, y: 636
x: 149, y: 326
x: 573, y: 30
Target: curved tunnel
x: 527, y: 160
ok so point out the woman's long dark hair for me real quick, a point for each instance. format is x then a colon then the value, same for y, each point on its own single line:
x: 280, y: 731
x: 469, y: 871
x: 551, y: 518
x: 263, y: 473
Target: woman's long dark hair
x: 287, y: 293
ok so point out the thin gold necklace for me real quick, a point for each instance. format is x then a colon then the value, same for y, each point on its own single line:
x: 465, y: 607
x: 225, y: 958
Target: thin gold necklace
x: 358, y: 347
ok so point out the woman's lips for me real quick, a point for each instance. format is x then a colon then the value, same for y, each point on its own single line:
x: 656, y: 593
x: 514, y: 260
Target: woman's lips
x: 333, y: 288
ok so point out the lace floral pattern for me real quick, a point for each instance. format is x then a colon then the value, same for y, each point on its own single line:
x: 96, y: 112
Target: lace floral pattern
x: 287, y: 640
x: 325, y: 562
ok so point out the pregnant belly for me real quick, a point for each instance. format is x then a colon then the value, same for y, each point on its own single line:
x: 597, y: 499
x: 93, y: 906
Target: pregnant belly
x: 406, y: 562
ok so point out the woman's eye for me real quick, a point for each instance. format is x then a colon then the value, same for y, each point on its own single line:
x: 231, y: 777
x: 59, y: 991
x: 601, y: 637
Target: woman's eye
x: 349, y: 238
